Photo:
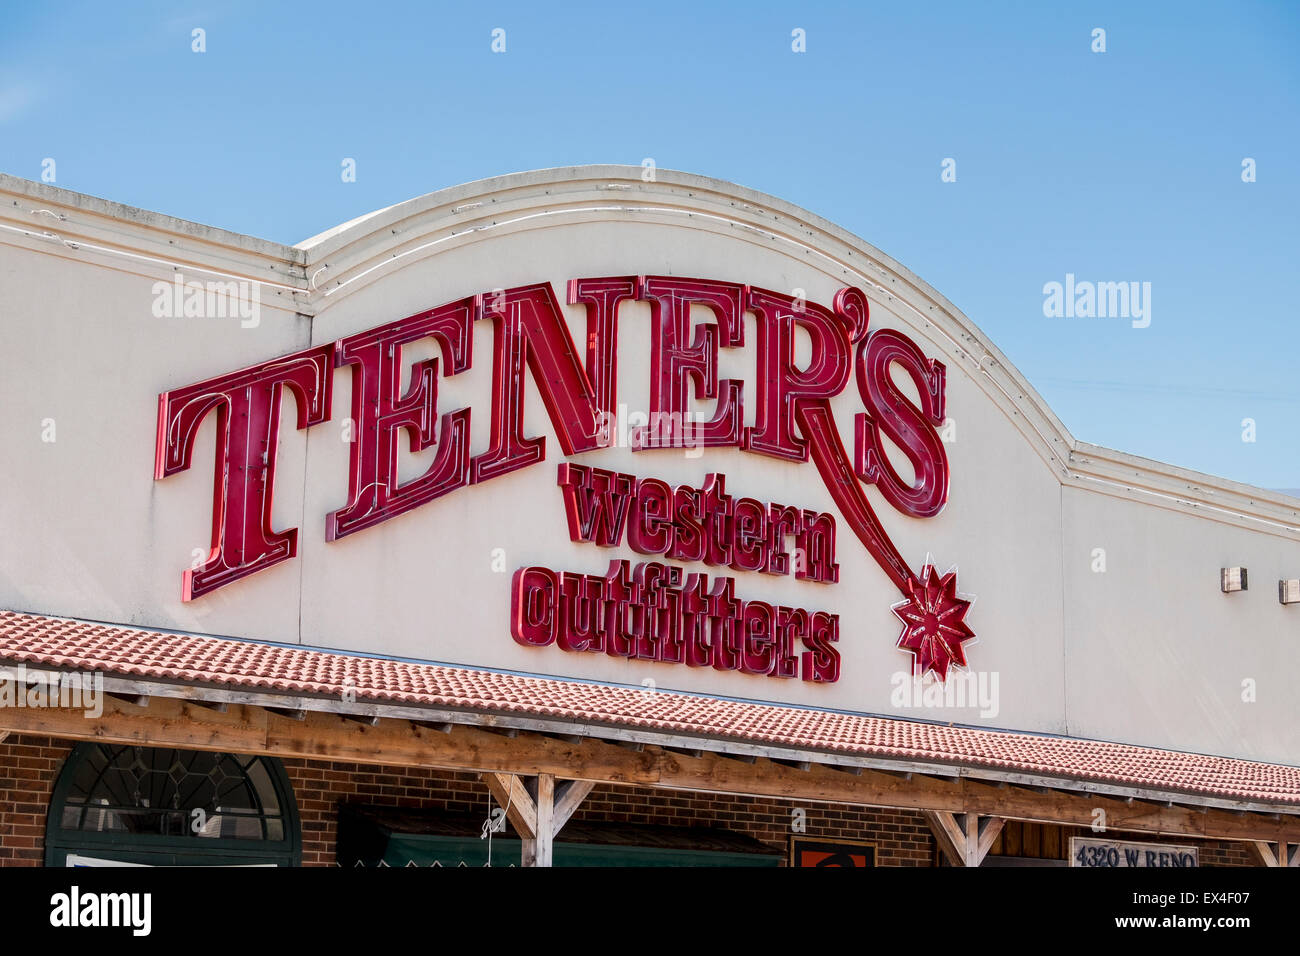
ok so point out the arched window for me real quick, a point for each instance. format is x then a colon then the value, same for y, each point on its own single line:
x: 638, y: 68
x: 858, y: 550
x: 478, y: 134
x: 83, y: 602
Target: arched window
x: 155, y: 806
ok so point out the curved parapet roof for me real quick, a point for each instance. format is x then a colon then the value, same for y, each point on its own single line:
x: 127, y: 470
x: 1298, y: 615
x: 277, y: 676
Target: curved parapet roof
x: 329, y: 266
x: 366, y: 248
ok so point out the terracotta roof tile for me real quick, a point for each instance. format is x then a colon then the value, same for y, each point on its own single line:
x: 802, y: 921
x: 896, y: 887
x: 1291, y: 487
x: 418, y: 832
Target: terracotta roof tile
x: 119, y: 650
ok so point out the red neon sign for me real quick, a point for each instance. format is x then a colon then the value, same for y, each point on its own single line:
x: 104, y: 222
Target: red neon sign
x: 380, y: 414
x: 696, y: 524
x: 531, y: 337
x: 247, y: 404
x: 655, y: 612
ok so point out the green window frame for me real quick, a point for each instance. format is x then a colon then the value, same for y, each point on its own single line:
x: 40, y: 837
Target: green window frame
x: 116, y: 804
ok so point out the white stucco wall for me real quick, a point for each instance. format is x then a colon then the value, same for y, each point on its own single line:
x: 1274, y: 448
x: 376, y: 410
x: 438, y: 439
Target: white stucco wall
x: 1147, y: 652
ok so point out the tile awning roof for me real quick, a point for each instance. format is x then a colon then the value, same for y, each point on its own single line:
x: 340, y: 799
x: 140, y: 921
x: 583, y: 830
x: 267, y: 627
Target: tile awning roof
x: 122, y: 651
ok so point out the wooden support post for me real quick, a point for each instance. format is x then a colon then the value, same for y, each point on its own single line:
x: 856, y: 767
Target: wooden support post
x: 537, y: 852
x: 537, y: 808
x: 965, y: 838
x: 1279, y: 853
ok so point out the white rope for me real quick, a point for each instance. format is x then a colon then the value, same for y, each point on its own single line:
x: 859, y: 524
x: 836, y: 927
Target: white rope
x: 488, y: 829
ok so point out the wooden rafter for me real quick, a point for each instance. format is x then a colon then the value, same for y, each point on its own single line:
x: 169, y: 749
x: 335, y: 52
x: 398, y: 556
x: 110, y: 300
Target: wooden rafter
x: 136, y: 700
x: 398, y: 742
x: 219, y: 705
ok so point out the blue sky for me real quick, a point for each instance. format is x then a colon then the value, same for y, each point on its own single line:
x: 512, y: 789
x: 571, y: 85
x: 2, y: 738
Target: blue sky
x: 1117, y: 166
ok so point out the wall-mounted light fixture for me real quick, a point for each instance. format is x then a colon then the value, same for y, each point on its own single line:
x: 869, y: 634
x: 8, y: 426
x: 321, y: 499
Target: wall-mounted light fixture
x: 1232, y: 579
x: 1288, y: 592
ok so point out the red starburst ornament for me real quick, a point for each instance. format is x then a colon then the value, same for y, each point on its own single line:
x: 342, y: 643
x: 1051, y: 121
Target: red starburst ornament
x: 933, y: 622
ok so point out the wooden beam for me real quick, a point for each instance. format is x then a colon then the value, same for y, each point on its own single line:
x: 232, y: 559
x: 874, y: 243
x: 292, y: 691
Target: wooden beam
x: 964, y: 838
x: 557, y: 724
x: 948, y: 834
x: 1265, y: 852
x: 220, y: 706
x: 990, y: 827
x: 567, y: 738
x: 254, y: 730
x: 685, y: 751
x: 3, y: 735
x: 537, y: 808
x: 442, y: 728
x: 509, y: 791
x: 290, y: 712
x: 1280, y: 853
x: 796, y: 764
x: 569, y: 795
x: 135, y: 700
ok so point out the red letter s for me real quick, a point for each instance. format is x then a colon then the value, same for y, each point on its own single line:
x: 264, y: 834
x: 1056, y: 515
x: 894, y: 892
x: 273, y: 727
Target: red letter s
x: 891, y: 412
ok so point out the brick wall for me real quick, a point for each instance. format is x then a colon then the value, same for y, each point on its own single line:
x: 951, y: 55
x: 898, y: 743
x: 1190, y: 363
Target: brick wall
x: 322, y: 785
x: 902, y: 837
x: 30, y: 764
x: 28, y: 768
x: 1224, y: 853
